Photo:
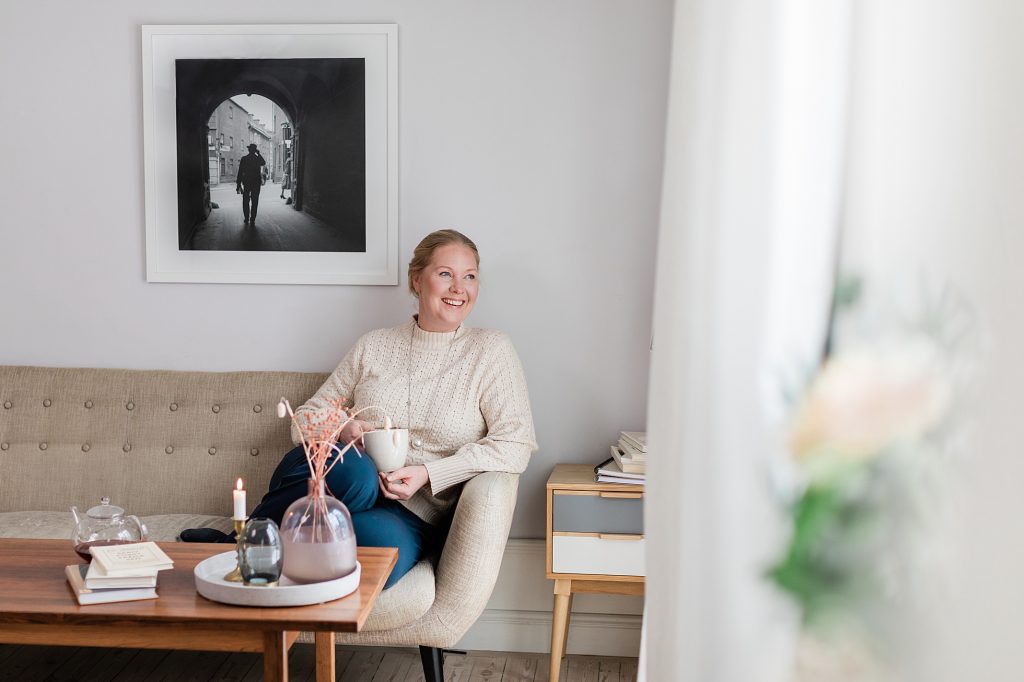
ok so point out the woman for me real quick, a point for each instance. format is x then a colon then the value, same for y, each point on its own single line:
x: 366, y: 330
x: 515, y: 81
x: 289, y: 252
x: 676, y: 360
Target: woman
x: 459, y: 390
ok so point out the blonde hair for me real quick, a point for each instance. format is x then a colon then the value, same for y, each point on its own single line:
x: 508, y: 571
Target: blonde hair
x: 424, y: 251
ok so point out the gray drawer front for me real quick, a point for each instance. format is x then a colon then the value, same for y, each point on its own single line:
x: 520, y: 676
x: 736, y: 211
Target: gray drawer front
x: 593, y: 514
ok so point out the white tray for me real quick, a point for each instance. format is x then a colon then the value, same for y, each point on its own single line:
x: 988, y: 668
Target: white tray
x: 209, y: 576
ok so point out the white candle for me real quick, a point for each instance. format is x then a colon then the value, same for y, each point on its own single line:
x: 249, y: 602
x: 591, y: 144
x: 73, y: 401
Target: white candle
x: 238, y: 496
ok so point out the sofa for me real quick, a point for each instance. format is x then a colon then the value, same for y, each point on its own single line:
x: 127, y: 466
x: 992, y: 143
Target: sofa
x: 167, y: 446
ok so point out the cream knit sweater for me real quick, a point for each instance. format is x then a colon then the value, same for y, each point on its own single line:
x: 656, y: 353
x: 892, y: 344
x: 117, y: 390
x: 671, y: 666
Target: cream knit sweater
x: 462, y: 394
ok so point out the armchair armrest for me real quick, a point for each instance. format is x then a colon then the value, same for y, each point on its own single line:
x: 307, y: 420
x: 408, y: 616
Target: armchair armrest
x: 472, y: 555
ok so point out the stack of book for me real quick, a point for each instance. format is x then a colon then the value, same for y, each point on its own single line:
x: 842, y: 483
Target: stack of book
x: 118, y: 573
x: 628, y: 463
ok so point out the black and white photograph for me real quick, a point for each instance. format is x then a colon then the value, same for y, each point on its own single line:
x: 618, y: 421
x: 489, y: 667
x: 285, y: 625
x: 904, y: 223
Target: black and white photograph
x: 271, y: 153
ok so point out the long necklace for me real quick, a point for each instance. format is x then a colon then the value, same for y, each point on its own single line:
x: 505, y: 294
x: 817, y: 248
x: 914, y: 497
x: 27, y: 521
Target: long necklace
x: 418, y: 442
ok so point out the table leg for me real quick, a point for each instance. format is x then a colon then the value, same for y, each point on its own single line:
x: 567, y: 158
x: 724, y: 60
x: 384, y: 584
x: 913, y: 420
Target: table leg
x: 324, y: 657
x: 275, y: 657
x: 559, y: 625
x: 568, y: 617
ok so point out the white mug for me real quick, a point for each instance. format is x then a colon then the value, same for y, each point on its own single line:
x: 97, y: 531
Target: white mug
x: 387, y: 448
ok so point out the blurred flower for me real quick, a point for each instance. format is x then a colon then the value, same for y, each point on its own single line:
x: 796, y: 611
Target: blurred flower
x: 870, y: 398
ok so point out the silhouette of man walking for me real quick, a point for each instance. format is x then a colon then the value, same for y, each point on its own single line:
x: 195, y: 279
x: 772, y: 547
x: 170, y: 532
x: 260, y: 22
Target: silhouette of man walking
x: 249, y: 181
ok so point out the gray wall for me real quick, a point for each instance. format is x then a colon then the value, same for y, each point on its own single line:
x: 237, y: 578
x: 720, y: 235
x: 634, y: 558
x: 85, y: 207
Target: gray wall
x: 536, y: 127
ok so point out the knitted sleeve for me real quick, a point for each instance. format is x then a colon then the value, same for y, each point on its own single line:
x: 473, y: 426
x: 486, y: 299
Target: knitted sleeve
x: 339, y: 384
x: 505, y: 405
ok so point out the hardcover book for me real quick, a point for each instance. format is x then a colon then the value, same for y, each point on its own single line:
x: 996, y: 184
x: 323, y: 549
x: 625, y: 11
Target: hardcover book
x: 132, y: 559
x: 97, y: 579
x: 638, y: 439
x: 609, y: 472
x: 76, y: 580
x: 626, y: 463
x: 629, y: 449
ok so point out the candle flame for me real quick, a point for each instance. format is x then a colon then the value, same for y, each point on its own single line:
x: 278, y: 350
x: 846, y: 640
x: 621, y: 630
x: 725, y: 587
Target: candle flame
x: 238, y: 485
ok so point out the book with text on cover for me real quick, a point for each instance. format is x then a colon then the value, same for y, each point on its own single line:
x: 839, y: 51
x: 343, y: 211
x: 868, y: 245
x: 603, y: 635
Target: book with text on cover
x: 85, y: 596
x: 131, y: 559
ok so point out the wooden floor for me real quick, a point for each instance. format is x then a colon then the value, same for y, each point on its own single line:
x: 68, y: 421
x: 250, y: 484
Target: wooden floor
x: 354, y: 664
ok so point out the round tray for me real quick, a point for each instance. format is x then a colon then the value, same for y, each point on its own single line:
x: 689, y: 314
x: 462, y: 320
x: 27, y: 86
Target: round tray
x: 209, y: 577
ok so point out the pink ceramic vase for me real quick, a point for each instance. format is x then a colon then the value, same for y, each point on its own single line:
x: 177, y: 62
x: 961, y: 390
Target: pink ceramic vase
x: 317, y: 538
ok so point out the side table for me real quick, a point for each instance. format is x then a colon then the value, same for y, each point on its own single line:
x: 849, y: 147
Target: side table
x: 595, y: 543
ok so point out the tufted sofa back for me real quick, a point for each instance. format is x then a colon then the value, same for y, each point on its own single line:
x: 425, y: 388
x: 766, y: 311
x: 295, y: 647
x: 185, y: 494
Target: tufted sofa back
x: 156, y: 442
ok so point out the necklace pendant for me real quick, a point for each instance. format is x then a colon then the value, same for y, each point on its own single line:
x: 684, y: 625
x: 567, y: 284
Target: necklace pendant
x: 417, y: 442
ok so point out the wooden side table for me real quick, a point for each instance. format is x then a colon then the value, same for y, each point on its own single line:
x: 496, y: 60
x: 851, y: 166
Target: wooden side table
x: 595, y: 543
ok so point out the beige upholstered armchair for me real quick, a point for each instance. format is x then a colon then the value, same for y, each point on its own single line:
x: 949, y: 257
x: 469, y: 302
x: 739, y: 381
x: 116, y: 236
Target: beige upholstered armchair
x: 70, y: 436
x: 433, y: 607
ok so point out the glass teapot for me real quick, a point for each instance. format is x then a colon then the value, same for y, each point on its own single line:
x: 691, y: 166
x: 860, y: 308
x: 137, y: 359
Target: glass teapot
x: 105, y: 524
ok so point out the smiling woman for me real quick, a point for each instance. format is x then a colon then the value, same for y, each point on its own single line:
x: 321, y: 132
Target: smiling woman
x: 443, y: 276
x: 460, y: 391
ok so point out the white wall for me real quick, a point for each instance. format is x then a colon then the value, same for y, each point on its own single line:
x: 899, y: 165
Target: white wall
x: 535, y: 127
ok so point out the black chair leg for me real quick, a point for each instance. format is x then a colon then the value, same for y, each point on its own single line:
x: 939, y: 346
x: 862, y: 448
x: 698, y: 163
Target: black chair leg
x: 433, y: 663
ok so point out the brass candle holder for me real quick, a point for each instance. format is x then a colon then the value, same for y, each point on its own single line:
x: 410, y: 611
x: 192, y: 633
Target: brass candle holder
x: 235, y: 576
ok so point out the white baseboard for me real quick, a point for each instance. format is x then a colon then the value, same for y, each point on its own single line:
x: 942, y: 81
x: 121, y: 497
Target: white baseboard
x: 518, y: 615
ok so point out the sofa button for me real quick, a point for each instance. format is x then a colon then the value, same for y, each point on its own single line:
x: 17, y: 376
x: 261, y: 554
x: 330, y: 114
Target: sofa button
x: 216, y: 409
x: 47, y: 403
x: 4, y: 446
x: 86, y: 447
x: 212, y: 451
x: 257, y: 408
x: 43, y: 445
x: 8, y: 404
x: 127, y: 447
x: 174, y: 407
x: 88, y: 404
x: 169, y: 450
x: 254, y: 452
x: 130, y: 406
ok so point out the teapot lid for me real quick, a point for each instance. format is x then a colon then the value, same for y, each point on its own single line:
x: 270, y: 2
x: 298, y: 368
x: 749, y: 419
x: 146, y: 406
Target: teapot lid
x: 105, y: 510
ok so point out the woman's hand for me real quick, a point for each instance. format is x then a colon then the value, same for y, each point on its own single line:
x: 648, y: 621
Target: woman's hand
x: 401, y: 484
x: 354, y: 430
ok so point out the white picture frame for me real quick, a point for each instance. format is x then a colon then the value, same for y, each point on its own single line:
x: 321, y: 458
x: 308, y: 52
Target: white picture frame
x: 172, y: 184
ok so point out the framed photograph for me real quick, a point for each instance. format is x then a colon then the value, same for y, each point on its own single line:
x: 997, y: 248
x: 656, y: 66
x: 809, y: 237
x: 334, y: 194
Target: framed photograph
x: 271, y: 153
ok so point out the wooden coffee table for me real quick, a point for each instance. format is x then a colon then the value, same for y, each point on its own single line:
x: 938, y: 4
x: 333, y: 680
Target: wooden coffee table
x: 37, y: 607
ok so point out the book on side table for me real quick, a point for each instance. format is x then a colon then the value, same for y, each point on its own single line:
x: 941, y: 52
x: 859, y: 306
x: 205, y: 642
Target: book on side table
x: 76, y: 575
x: 628, y: 463
x: 609, y: 471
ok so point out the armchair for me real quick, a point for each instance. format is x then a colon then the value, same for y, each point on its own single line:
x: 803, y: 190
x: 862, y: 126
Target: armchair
x: 433, y: 608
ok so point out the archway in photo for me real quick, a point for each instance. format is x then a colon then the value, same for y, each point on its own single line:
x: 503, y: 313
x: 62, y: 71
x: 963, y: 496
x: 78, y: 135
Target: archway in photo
x: 307, y: 118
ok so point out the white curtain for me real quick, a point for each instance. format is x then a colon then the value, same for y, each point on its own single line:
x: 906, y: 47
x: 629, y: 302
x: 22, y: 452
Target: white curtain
x: 754, y: 174
x: 936, y: 197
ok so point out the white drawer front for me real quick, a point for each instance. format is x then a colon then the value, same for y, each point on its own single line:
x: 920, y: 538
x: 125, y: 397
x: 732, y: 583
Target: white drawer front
x: 598, y: 556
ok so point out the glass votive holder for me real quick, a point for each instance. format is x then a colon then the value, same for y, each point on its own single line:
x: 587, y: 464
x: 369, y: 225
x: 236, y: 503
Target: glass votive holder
x: 259, y: 553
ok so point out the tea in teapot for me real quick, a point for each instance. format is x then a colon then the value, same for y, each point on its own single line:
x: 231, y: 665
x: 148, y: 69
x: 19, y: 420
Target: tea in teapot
x: 104, y: 524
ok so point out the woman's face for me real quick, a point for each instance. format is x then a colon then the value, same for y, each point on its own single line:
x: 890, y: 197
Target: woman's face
x: 447, y: 288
